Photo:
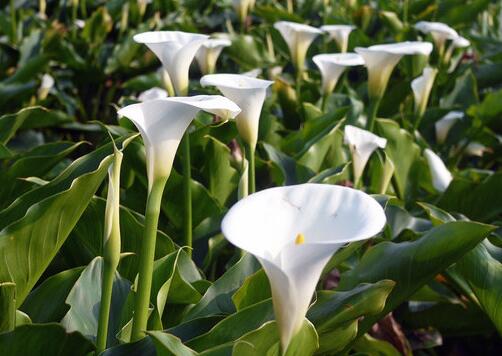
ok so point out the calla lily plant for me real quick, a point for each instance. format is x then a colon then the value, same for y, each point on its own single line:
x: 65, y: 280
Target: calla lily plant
x: 340, y: 33
x: 441, y: 176
x: 162, y: 123
x: 208, y: 53
x: 380, y: 61
x: 294, y: 231
x: 249, y: 94
x: 422, y: 87
x: 362, y: 144
x: 332, y: 66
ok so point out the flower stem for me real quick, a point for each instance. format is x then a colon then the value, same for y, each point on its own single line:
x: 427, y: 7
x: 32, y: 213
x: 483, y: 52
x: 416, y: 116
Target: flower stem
x: 104, y: 307
x: 187, y: 190
x: 146, y: 259
x: 324, y: 101
x: 251, y: 170
x: 372, y: 113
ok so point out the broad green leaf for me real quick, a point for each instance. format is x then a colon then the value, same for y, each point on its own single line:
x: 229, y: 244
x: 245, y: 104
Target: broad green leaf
x: 43, y: 340
x: 84, y: 300
x: 223, y: 178
x: 34, y: 163
x: 143, y: 347
x: 265, y: 341
x: 172, y: 278
x: 86, y: 240
x: 402, y: 150
x: 30, y: 117
x: 56, y: 289
x: 234, y: 326
x: 369, y: 345
x: 167, y: 344
x: 218, y: 298
x: 35, y: 226
x: 336, y: 314
x: 477, y: 200
x: 463, y: 94
x: 254, y: 289
x: 483, y: 273
x: 256, y: 53
x: 412, y: 264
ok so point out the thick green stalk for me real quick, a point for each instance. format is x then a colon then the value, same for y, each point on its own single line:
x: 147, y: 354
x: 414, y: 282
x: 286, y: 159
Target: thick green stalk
x: 372, y: 113
x: 251, y: 170
x: 105, y: 305
x: 146, y: 258
x: 187, y: 191
x: 111, y: 250
x: 13, y: 21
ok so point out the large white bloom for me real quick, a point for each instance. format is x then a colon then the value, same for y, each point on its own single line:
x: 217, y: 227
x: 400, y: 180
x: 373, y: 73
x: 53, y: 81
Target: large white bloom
x: 340, y: 33
x: 444, y: 124
x: 422, y: 87
x: 208, y: 53
x: 45, y: 86
x: 298, y: 38
x: 362, y: 144
x: 381, y: 59
x: 441, y: 176
x: 248, y: 93
x: 175, y: 49
x: 162, y: 123
x: 439, y: 31
x: 152, y: 94
x: 332, y: 67
x: 294, y: 231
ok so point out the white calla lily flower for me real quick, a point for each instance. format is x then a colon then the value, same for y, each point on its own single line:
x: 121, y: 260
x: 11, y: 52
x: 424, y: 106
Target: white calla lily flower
x: 162, y: 123
x: 242, y: 7
x: 441, y: 176
x: 294, y: 231
x: 457, y: 42
x: 152, y: 94
x: 332, y: 67
x: 362, y: 144
x: 439, y: 31
x: 298, y: 37
x: 175, y: 50
x: 476, y: 149
x: 208, y: 53
x: 444, y: 124
x: 249, y: 94
x: 45, y: 86
x: 381, y: 59
x: 340, y: 33
x: 422, y: 87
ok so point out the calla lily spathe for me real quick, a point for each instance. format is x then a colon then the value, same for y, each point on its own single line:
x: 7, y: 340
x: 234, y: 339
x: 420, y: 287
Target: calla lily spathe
x: 249, y: 94
x: 380, y: 61
x: 422, y: 87
x: 440, y: 32
x: 45, y: 86
x: 162, y: 123
x: 208, y: 53
x: 444, y: 124
x: 175, y: 50
x: 441, y: 176
x: 298, y: 37
x: 242, y: 7
x: 340, y: 33
x: 294, y: 231
x: 362, y: 144
x: 458, y: 42
x: 152, y: 94
x: 332, y: 67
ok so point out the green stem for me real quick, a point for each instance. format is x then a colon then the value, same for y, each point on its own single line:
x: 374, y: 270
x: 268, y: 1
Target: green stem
x: 372, y: 113
x: 298, y: 89
x: 111, y: 250
x: 324, y: 101
x: 105, y: 305
x: 146, y: 259
x: 187, y: 190
x: 251, y: 169
x: 13, y: 22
